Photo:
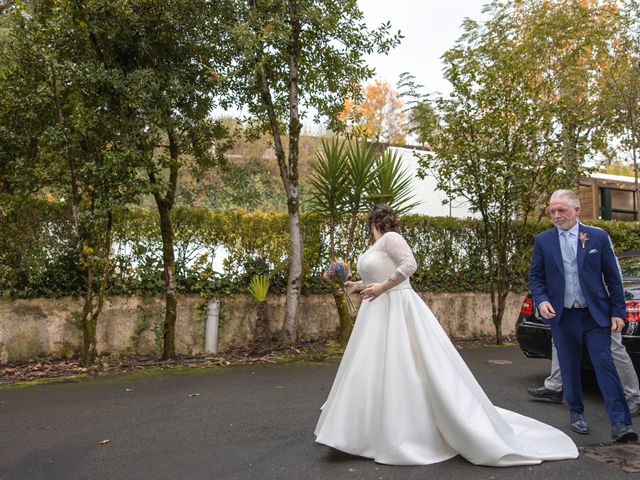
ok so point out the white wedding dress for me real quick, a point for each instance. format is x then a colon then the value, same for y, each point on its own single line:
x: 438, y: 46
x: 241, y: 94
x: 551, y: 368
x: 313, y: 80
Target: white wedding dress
x: 404, y: 396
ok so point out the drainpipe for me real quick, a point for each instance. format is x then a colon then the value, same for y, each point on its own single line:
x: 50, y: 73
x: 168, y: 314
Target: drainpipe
x: 211, y: 328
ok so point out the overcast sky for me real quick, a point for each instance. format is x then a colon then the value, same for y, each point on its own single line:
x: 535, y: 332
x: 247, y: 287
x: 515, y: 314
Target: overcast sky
x: 430, y: 27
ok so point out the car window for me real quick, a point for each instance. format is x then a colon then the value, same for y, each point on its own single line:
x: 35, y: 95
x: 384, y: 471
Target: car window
x: 630, y: 266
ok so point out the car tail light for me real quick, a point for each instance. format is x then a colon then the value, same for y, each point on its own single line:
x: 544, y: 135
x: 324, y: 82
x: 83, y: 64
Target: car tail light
x: 527, y: 307
x: 633, y: 310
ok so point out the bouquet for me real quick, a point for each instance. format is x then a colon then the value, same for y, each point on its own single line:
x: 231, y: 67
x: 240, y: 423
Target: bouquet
x: 338, y: 272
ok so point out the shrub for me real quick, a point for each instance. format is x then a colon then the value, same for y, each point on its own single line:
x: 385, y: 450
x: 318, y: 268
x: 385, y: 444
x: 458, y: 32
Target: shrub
x: 38, y: 257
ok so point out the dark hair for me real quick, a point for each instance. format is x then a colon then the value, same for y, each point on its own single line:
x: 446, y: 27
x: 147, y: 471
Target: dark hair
x: 383, y: 218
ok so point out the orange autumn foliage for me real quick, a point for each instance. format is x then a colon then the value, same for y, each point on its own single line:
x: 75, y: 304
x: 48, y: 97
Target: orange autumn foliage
x: 379, y: 116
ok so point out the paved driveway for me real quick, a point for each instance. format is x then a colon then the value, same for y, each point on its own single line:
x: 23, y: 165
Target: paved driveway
x: 249, y: 422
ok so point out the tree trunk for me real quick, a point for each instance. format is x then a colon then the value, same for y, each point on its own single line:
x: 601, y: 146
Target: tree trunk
x: 332, y: 238
x: 499, y: 284
x: 294, y: 281
x: 498, y: 315
x: 353, y: 221
x: 171, y: 299
x: 497, y: 323
x: 634, y: 157
x: 262, y: 333
x: 89, y: 327
x: 89, y: 352
x: 88, y: 322
x: 570, y: 133
x: 165, y: 204
x: 90, y: 313
x: 344, y: 315
x: 288, y: 170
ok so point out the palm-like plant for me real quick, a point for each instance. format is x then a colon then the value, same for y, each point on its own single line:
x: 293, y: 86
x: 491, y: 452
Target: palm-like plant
x: 362, y: 171
x: 259, y: 288
x: 328, y: 180
x: 392, y: 183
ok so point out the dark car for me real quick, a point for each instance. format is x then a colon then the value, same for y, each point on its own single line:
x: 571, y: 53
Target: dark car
x: 534, y: 336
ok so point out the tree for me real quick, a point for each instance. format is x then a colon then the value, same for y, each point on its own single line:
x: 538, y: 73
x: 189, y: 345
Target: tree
x: 617, y: 167
x: 170, y: 52
x: 379, y: 116
x: 500, y: 140
x: 422, y: 118
x: 286, y: 57
x: 568, y: 42
x: 63, y: 137
x: 135, y: 78
x: 622, y: 80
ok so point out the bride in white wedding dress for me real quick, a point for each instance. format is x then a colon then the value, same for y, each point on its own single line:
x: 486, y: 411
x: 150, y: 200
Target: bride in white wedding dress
x: 402, y: 394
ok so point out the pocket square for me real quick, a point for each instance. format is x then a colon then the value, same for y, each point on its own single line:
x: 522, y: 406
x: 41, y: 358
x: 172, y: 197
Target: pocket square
x: 595, y: 250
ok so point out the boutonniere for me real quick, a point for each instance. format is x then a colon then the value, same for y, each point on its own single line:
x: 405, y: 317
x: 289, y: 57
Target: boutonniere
x: 584, y: 238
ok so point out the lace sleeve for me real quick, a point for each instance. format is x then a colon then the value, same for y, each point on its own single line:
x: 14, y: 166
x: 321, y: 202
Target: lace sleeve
x: 400, y: 252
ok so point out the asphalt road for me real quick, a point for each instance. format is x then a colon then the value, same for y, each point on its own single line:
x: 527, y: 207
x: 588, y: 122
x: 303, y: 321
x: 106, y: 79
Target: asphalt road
x: 249, y: 422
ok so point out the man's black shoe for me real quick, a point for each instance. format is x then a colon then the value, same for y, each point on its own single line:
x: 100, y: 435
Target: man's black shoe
x: 623, y: 434
x: 544, y: 392
x: 578, y: 423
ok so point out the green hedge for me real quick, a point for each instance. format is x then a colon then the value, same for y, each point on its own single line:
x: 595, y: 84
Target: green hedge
x: 38, y: 257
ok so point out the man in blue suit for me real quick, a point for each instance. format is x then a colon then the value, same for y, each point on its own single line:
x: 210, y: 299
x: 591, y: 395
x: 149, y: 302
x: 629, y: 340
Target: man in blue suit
x: 575, y: 281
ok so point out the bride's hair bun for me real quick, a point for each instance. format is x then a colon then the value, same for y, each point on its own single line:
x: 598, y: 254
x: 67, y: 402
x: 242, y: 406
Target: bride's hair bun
x: 383, y: 218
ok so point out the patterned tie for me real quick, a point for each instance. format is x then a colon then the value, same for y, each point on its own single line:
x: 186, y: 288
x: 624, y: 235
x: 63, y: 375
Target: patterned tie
x: 567, y: 249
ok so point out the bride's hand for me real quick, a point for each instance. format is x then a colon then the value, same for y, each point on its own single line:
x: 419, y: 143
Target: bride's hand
x: 351, y: 286
x: 372, y: 291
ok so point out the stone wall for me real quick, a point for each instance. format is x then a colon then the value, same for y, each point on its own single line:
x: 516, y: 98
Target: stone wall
x: 29, y: 328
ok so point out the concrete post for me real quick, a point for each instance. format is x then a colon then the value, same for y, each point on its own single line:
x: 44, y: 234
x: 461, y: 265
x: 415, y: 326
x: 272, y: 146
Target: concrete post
x: 211, y: 328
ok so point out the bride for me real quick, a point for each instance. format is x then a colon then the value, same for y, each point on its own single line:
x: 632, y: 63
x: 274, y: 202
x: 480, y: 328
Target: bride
x: 403, y: 395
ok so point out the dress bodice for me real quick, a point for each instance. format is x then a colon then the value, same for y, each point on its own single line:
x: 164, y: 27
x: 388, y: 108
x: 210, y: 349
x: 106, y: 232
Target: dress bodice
x: 389, y: 254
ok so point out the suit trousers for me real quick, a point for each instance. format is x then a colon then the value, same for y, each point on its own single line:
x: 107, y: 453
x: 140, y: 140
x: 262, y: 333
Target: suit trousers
x: 622, y: 361
x: 575, y: 330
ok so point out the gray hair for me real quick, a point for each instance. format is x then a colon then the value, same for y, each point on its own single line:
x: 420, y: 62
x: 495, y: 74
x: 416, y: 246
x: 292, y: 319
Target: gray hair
x: 570, y: 195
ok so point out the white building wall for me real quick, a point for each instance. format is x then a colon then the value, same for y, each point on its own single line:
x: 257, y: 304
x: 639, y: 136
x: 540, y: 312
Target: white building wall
x: 426, y: 191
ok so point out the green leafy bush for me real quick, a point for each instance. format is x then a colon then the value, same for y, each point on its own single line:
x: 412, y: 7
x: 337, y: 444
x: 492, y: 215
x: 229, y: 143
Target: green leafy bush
x: 38, y: 257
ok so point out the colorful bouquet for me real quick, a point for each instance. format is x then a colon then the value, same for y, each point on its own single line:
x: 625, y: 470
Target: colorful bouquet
x: 338, y: 272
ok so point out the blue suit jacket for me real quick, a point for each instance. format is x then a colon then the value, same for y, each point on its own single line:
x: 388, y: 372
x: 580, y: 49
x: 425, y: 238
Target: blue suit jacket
x: 598, y: 273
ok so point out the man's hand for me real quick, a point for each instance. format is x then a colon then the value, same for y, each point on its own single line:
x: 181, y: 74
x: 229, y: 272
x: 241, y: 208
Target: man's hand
x: 546, y: 310
x: 617, y: 324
